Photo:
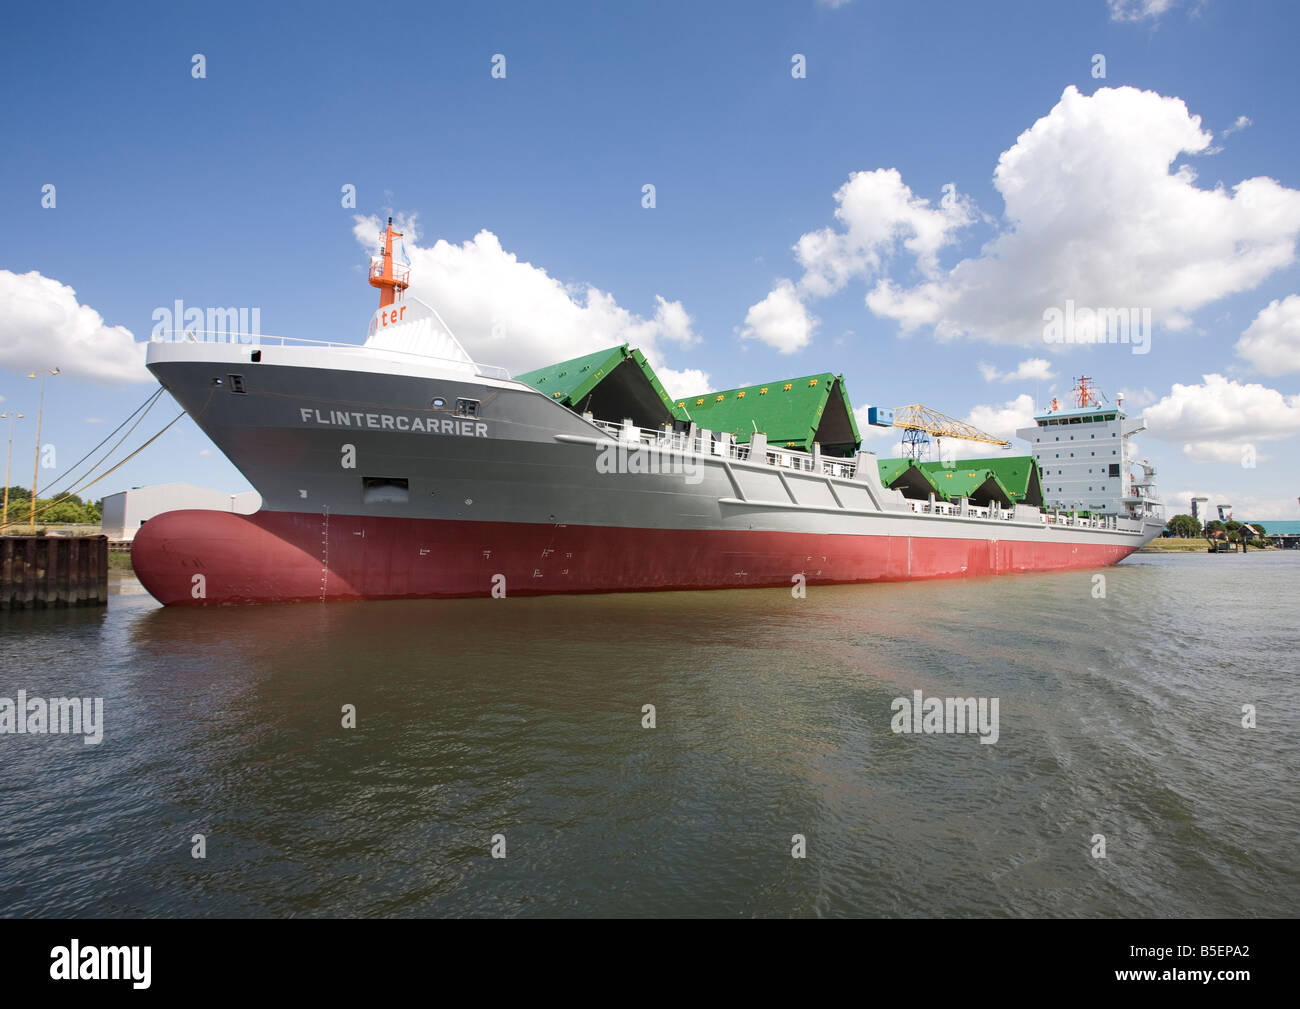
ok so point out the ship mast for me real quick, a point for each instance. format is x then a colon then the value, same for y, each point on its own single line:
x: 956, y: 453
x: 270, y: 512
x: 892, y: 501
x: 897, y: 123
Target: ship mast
x: 390, y: 278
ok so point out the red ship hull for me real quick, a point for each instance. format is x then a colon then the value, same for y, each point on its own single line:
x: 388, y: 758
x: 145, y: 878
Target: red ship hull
x: 218, y: 558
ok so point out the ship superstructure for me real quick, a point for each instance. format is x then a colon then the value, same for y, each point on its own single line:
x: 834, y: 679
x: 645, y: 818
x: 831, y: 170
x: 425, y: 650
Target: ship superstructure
x: 1083, y: 451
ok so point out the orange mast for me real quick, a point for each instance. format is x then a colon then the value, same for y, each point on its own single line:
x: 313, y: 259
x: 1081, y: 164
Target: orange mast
x: 384, y: 274
x: 1084, y: 393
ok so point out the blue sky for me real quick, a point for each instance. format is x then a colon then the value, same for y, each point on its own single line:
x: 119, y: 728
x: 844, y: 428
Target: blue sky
x: 225, y: 191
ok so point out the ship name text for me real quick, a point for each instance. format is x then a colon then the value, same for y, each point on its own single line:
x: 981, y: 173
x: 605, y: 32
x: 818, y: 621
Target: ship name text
x: 393, y: 422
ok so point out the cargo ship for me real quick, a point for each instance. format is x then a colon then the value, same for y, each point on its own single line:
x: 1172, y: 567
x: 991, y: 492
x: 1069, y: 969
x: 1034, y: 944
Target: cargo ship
x: 402, y: 468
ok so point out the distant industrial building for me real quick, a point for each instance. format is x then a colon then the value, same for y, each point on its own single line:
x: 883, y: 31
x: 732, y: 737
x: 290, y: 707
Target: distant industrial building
x: 127, y: 511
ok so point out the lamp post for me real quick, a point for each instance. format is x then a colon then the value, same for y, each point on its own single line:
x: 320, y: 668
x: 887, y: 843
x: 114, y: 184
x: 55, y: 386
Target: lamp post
x: 31, y: 520
x: 9, y: 458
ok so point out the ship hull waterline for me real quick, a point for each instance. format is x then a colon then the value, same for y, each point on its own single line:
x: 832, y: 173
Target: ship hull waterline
x: 199, y: 558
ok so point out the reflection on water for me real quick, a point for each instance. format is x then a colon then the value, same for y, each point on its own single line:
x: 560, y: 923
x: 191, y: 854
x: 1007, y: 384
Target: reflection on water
x: 523, y: 717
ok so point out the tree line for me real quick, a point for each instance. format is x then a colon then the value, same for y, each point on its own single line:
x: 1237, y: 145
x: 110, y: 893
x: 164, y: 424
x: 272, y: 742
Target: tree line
x: 1186, y: 526
x: 70, y: 511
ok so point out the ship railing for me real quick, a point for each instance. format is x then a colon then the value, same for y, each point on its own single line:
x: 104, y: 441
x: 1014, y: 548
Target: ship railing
x: 401, y: 274
x: 269, y: 340
x: 954, y: 510
x: 1008, y: 514
x: 682, y: 441
x: 1081, y: 521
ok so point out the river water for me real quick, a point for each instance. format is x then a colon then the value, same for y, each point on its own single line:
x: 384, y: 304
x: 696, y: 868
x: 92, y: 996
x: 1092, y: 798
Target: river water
x: 522, y: 720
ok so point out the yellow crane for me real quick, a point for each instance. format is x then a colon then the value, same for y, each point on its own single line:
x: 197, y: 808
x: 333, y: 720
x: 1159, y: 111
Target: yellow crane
x: 920, y: 422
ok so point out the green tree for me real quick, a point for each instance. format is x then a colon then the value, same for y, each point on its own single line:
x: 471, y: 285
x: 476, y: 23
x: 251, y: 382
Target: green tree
x: 67, y: 512
x: 1184, y: 526
x: 17, y: 493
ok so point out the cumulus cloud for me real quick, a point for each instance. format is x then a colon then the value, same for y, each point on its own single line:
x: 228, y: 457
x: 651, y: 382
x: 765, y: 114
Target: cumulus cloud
x: 780, y: 320
x: 1096, y: 212
x: 876, y: 213
x: 687, y: 382
x: 1095, y: 215
x: 1035, y: 369
x: 43, y: 326
x: 512, y: 313
x: 1217, y: 419
x: 1001, y: 421
x: 1272, y: 342
x: 876, y: 216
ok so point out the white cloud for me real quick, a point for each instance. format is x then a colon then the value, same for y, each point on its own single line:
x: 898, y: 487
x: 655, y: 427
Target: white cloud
x: 1272, y: 342
x: 877, y: 213
x: 204, y: 453
x: 780, y: 320
x: 1223, y: 451
x: 512, y: 313
x: 834, y: 4
x: 1094, y: 214
x: 1136, y: 399
x: 1138, y: 10
x: 1218, y: 418
x: 94, y: 420
x: 1239, y: 124
x: 43, y: 326
x: 688, y: 382
x: 1035, y: 369
x: 1244, y: 506
x: 1001, y: 421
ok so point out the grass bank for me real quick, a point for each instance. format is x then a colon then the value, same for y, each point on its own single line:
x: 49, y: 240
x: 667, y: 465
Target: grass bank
x: 1175, y: 545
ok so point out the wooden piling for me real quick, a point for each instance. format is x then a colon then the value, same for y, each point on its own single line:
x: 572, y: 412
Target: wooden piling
x: 50, y: 571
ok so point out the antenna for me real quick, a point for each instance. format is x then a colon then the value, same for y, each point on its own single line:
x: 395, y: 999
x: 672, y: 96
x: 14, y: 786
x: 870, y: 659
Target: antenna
x: 1085, y: 392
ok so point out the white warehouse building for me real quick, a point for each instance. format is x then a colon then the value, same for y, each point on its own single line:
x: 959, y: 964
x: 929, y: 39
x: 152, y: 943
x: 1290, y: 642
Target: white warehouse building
x: 126, y: 511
